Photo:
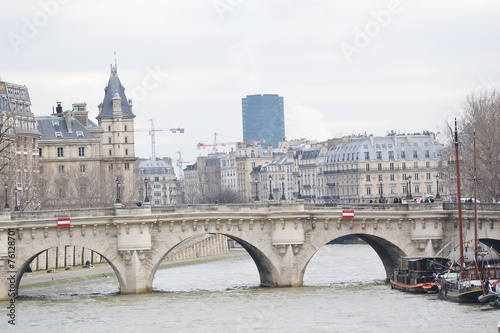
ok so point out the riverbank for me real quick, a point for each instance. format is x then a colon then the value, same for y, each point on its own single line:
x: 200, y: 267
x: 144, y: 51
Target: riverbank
x: 104, y: 269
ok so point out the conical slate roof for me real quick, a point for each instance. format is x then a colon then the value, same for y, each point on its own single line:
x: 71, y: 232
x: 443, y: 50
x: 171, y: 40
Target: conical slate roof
x: 114, y: 85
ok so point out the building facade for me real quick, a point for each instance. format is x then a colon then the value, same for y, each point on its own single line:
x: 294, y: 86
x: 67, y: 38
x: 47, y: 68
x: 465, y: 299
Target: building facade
x: 18, y: 148
x: 263, y: 119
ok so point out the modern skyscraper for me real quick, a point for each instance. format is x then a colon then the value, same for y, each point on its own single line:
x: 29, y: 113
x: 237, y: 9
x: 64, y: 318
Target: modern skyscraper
x: 263, y: 119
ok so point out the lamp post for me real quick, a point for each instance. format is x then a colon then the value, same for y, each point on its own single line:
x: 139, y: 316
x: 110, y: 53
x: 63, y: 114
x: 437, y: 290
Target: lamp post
x: 6, y: 199
x: 437, y: 187
x: 381, y: 189
x: 146, y: 180
x: 256, y: 182
x: 270, y: 189
x: 283, y: 188
x: 118, y: 200
x: 408, y: 196
x: 16, y: 207
x: 299, y: 196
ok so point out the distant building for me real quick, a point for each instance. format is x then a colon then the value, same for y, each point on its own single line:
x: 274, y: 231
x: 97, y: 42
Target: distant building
x: 263, y: 119
x: 18, y: 146
x: 162, y: 184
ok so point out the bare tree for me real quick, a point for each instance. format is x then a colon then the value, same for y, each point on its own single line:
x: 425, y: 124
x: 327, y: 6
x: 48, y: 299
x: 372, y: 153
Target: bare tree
x: 481, y: 113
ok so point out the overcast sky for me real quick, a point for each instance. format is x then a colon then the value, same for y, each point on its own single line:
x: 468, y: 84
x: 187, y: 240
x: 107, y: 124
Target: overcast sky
x: 343, y: 67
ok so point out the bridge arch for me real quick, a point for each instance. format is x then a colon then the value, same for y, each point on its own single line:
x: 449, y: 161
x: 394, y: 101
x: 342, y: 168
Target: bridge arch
x: 388, y: 252
x: 30, y: 252
x: 265, y: 266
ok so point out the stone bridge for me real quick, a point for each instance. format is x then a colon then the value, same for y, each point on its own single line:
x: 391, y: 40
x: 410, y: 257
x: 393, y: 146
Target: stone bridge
x: 281, y: 239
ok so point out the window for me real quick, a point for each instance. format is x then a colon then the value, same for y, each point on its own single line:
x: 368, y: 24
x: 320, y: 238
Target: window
x: 379, y: 155
x: 60, y: 152
x: 61, y: 169
x: 428, y: 176
x: 126, y: 139
x: 127, y: 166
x: 429, y: 190
x: 368, y: 190
x: 415, y: 165
x: 391, y: 166
x: 79, y: 133
x: 427, y: 165
x: 415, y: 176
x: 392, y: 177
x: 109, y: 140
x: 368, y: 167
x: 40, y: 152
x: 82, y: 168
x: 415, y: 155
x: 81, y: 151
x: 58, y: 134
x: 109, y: 128
x: 125, y: 128
x: 379, y: 166
x: 427, y: 153
x: 391, y: 154
x: 157, y: 179
x: 55, y: 122
x: 367, y: 178
x: 417, y: 189
x: 110, y: 166
x: 110, y: 152
x: 403, y: 154
x: 367, y: 155
x: 379, y: 178
x: 403, y: 166
x: 126, y: 151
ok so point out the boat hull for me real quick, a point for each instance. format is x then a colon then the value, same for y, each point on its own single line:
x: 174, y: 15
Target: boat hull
x: 466, y: 295
x: 413, y: 288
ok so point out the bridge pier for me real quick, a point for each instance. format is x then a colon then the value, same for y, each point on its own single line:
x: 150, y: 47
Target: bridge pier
x: 135, y: 277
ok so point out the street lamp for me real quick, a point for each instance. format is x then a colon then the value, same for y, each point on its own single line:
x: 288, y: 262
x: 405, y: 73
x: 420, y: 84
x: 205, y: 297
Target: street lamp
x: 6, y: 199
x: 283, y: 188
x: 146, y: 199
x: 16, y: 207
x: 118, y: 200
x: 299, y: 196
x: 381, y: 189
x: 437, y: 187
x: 270, y: 189
x: 408, y: 196
x: 256, y: 182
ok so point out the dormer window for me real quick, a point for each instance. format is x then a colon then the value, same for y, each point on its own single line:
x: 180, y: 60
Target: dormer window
x: 55, y: 122
x: 79, y: 133
x: 58, y: 134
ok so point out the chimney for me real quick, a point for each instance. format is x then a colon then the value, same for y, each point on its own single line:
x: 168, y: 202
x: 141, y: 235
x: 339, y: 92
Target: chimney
x: 67, y: 117
x: 59, y: 109
x: 81, y: 114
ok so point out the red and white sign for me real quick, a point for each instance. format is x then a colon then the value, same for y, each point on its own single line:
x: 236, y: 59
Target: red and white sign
x: 347, y: 214
x: 64, y: 222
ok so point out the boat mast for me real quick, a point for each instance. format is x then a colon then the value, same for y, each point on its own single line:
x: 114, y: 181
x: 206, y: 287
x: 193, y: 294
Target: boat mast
x: 459, y: 199
x: 475, y: 201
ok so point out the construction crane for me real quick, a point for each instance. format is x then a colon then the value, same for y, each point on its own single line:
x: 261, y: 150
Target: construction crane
x: 152, y: 133
x: 179, y: 163
x: 215, y: 143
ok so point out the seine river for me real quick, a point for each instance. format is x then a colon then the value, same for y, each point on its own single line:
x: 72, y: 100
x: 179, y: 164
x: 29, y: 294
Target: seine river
x: 344, y: 292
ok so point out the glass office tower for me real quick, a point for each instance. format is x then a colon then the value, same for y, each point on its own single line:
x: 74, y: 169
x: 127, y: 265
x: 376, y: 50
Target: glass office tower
x: 263, y: 119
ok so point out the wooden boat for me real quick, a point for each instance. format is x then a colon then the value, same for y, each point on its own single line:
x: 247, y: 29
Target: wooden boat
x: 415, y: 272
x: 465, y: 283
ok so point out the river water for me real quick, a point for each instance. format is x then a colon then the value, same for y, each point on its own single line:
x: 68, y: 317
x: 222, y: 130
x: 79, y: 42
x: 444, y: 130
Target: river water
x: 344, y: 291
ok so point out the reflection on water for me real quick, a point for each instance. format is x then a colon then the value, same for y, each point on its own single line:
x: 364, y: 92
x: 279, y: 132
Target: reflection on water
x: 344, y: 292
